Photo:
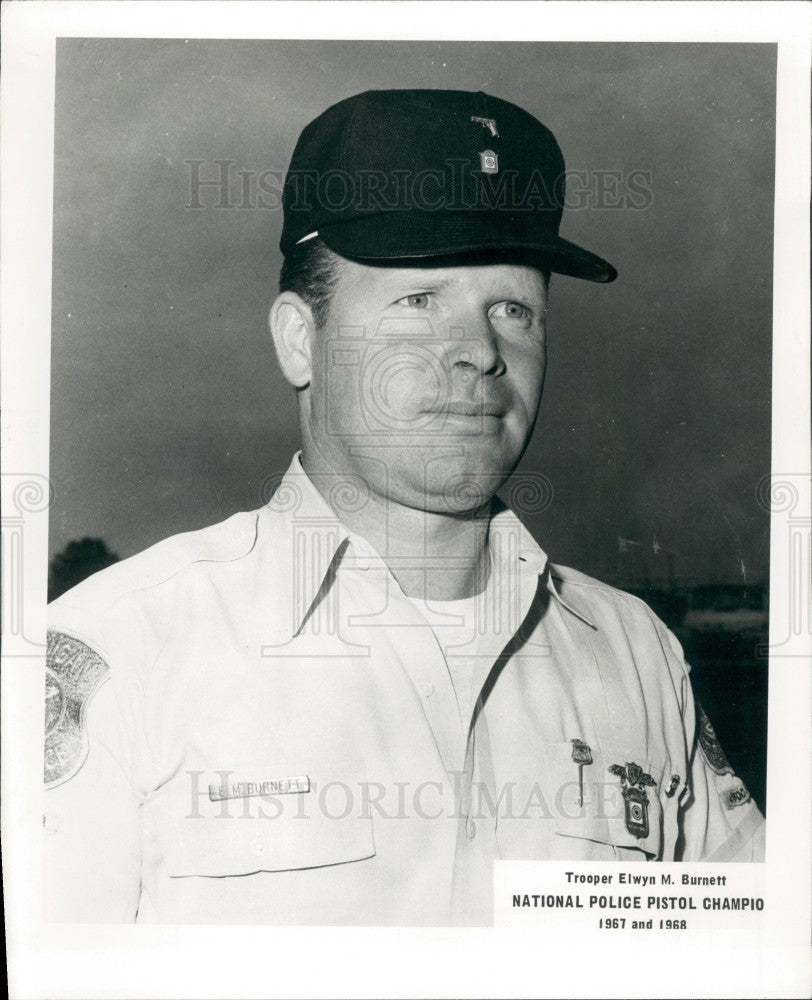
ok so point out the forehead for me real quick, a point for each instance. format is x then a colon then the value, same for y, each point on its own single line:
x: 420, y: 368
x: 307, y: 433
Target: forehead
x: 484, y: 277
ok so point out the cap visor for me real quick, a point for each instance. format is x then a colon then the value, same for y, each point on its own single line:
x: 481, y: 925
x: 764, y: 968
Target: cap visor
x: 405, y: 235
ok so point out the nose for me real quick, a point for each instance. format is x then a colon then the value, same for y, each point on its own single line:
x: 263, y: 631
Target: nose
x: 475, y: 349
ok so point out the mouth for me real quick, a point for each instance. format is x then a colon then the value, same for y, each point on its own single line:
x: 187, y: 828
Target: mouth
x: 464, y: 408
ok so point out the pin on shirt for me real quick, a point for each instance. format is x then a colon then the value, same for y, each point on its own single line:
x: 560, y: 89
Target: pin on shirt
x: 581, y: 755
x: 634, y: 781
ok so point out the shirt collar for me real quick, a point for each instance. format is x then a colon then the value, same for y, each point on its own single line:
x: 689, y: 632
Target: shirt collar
x: 313, y: 540
x: 511, y: 540
x: 303, y: 536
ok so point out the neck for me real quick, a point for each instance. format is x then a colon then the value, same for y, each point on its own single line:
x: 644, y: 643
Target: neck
x: 433, y: 556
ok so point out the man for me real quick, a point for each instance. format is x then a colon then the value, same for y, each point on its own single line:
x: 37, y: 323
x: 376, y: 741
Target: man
x: 343, y: 707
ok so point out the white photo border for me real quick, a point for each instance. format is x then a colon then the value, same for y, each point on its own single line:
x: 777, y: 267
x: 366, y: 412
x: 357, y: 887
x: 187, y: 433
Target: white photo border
x: 217, y: 961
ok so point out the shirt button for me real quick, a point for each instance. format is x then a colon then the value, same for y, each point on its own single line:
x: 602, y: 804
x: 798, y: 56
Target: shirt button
x: 470, y: 829
x: 363, y: 564
x: 427, y: 690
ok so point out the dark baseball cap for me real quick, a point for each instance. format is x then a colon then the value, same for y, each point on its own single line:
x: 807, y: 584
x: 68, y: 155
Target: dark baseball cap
x: 393, y: 175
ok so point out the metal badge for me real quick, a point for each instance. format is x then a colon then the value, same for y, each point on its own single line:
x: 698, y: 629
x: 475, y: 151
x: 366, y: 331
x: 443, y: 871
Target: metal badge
x: 489, y: 162
x: 634, y: 780
x: 489, y: 124
x: 581, y: 755
x: 673, y: 784
x: 270, y: 786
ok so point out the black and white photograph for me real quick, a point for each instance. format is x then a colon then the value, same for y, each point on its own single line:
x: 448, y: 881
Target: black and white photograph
x: 411, y: 496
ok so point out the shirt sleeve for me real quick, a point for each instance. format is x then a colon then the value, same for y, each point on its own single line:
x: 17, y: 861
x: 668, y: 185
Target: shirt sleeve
x: 91, y: 821
x: 718, y: 819
x: 721, y: 822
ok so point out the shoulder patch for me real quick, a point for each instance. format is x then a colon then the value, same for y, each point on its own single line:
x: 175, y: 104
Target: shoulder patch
x: 73, y: 671
x: 711, y: 748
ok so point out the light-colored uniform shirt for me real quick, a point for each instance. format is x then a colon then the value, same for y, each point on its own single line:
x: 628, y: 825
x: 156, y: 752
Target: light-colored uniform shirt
x: 457, y: 626
x: 252, y: 724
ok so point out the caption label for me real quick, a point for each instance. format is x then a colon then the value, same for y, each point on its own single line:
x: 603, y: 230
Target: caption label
x: 661, y: 897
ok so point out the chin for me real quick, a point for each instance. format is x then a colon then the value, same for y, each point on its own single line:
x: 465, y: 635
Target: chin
x: 439, y: 473
x: 465, y: 484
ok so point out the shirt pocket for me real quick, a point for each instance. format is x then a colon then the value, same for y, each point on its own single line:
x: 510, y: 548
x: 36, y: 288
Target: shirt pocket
x: 304, y: 825
x: 631, y: 826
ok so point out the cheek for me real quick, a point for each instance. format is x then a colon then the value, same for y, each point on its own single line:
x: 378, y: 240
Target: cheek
x: 334, y: 386
x: 398, y: 381
x: 527, y: 368
x: 363, y: 386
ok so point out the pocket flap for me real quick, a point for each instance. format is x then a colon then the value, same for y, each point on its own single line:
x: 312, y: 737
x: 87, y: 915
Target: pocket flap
x: 243, y: 834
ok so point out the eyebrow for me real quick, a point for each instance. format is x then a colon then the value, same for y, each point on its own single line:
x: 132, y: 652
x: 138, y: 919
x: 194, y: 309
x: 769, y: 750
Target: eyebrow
x: 432, y: 280
x: 423, y: 281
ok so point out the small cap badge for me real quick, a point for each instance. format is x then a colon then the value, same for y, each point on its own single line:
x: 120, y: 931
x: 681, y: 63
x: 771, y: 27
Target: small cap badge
x: 489, y: 162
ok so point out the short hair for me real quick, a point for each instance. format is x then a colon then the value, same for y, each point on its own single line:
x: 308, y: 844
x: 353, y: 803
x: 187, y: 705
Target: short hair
x: 311, y: 270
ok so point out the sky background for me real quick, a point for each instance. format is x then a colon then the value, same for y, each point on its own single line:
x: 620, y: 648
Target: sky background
x: 168, y: 410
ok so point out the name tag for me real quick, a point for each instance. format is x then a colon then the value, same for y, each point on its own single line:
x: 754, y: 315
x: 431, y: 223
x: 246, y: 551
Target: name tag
x: 273, y: 786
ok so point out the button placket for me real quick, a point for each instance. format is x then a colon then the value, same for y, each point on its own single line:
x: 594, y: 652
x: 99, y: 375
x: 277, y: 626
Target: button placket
x: 438, y: 698
x: 418, y: 653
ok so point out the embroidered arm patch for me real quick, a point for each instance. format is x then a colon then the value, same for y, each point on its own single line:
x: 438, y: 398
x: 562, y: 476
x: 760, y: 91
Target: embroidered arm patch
x: 735, y: 793
x: 708, y: 741
x: 73, y: 671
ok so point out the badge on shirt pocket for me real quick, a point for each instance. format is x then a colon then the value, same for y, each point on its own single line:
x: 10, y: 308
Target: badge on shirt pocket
x: 634, y: 782
x: 628, y: 822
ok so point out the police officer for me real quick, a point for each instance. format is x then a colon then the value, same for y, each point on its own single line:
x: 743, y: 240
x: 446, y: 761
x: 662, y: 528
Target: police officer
x: 342, y: 708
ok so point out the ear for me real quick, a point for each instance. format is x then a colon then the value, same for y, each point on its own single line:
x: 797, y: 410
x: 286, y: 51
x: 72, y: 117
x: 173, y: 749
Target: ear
x: 292, y: 327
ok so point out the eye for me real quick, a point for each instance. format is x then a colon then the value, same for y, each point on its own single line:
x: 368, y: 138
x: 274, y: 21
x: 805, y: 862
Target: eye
x: 513, y: 311
x: 418, y: 301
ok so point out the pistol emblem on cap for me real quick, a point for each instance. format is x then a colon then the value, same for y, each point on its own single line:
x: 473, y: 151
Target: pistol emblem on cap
x: 489, y: 123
